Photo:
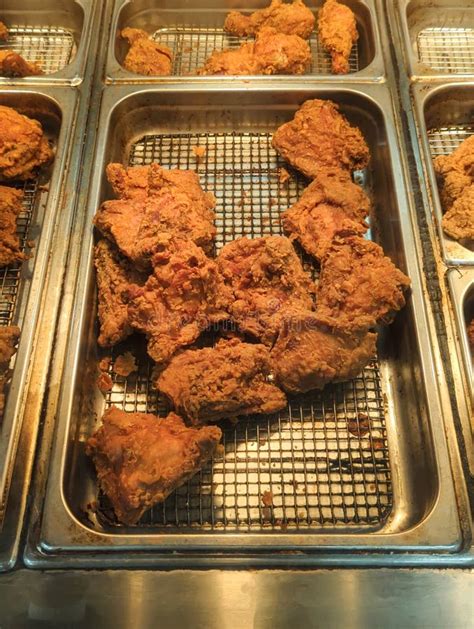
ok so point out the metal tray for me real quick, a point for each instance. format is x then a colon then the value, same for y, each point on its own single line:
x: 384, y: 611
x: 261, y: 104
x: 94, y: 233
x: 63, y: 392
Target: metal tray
x: 445, y: 116
x: 438, y: 37
x: 193, y: 29
x: 461, y: 285
x: 56, y: 33
x: 392, y: 489
x: 20, y: 287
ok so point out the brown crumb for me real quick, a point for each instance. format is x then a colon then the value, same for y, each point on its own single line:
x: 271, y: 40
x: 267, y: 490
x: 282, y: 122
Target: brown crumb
x: 378, y: 444
x: 283, y: 176
x: 358, y: 425
x: 104, y: 363
x: 219, y: 451
x: 125, y: 364
x: 199, y: 151
x: 267, y: 498
x: 30, y: 244
x: 104, y: 382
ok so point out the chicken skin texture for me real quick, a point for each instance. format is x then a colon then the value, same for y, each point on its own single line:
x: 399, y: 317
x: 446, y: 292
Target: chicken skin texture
x: 152, y: 201
x: 3, y: 32
x: 319, y: 137
x: 9, y: 336
x: 309, y: 355
x: 10, y: 208
x: 115, y: 275
x: 271, y: 53
x: 13, y: 65
x: 227, y: 380
x: 455, y: 172
x: 146, y: 56
x: 458, y: 222
x: 23, y: 147
x: 266, y: 278
x: 141, y: 459
x: 332, y: 204
x: 291, y: 19
x: 337, y: 30
x: 359, y: 286
x: 184, y: 295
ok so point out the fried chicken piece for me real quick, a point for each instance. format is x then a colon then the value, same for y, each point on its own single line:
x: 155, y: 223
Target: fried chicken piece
x: 115, y: 275
x: 266, y: 278
x: 227, y: 380
x: 153, y: 201
x: 9, y: 336
x: 13, y: 65
x: 332, y: 204
x: 146, y: 56
x: 337, y: 30
x: 359, y: 286
x: 290, y: 19
x: 141, y: 459
x: 458, y: 222
x: 182, y: 297
x: 309, y: 355
x: 23, y: 147
x: 271, y: 53
x: 470, y: 334
x: 455, y: 172
x: 10, y: 208
x: 320, y: 137
x: 3, y: 32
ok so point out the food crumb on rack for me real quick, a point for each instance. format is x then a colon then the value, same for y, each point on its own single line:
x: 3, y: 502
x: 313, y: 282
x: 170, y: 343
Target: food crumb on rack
x: 358, y: 425
x: 199, y: 151
x: 267, y: 498
x: 104, y: 382
x: 283, y: 176
x: 104, y: 363
x: 125, y: 364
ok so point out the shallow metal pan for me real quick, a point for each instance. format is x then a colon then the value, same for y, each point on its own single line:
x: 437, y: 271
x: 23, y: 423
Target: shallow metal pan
x: 193, y: 29
x: 422, y: 514
x: 20, y: 294
x: 53, y: 32
x: 461, y: 285
x: 445, y: 116
x: 438, y: 38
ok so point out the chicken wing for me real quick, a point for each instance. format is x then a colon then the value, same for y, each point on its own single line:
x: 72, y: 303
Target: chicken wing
x: 153, y: 202
x: 23, y: 147
x: 266, y: 278
x: 182, y: 297
x: 309, y: 355
x: 332, y: 204
x: 337, y: 30
x: 13, y: 65
x: 227, y: 380
x: 359, y: 286
x: 146, y: 56
x: 319, y: 137
x: 115, y: 275
x: 271, y: 53
x: 291, y: 19
x: 458, y: 222
x: 10, y: 208
x: 455, y: 172
x: 141, y: 459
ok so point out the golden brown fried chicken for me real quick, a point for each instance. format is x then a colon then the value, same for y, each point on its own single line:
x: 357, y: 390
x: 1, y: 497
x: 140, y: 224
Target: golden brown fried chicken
x: 114, y: 275
x: 292, y: 19
x: 154, y: 201
x: 267, y: 279
x: 359, y: 286
x: 320, y: 137
x: 146, y: 56
x: 10, y: 208
x: 9, y: 336
x: 3, y: 32
x: 182, y: 297
x: 271, y: 53
x: 227, y: 380
x: 23, y: 147
x: 458, y: 222
x: 337, y: 30
x: 141, y: 459
x: 309, y: 355
x: 332, y: 204
x: 455, y: 172
x: 13, y: 65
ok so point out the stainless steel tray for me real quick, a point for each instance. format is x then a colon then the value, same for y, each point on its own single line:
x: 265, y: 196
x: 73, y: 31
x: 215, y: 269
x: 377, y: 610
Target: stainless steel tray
x: 390, y: 490
x: 21, y: 288
x: 438, y: 37
x: 53, y: 32
x: 445, y: 118
x: 461, y: 285
x: 193, y: 29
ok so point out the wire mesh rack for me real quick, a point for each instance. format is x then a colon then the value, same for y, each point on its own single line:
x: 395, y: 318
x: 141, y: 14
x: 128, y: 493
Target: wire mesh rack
x: 444, y: 140
x: 447, y: 49
x: 52, y: 47
x: 324, y: 461
x: 193, y: 45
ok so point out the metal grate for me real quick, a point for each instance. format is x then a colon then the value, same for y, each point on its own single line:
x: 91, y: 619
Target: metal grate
x: 324, y: 461
x: 193, y: 45
x: 51, y: 47
x: 447, y: 49
x: 10, y: 275
x: 444, y: 140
